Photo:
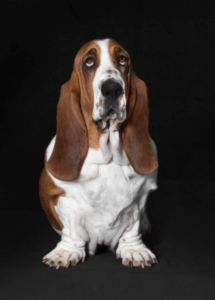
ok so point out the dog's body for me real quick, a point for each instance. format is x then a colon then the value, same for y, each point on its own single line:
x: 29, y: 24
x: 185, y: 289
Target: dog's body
x: 102, y: 164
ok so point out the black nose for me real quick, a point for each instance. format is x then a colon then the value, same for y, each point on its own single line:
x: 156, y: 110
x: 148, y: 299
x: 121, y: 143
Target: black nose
x: 111, y: 90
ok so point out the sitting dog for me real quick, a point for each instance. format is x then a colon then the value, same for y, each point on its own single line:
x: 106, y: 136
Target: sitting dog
x: 101, y: 164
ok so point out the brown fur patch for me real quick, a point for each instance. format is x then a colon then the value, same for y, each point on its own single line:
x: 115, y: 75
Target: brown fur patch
x: 49, y: 194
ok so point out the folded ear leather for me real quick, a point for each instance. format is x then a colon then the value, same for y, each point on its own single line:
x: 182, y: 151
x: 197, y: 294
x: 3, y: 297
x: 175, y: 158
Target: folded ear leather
x: 135, y: 135
x: 71, y: 144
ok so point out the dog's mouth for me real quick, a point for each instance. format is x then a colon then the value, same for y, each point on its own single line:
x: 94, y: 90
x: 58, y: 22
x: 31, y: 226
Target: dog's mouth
x: 110, y: 114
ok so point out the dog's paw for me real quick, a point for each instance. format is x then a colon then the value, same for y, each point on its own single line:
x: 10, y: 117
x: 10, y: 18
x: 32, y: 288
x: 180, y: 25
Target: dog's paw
x: 137, y: 258
x: 63, y: 258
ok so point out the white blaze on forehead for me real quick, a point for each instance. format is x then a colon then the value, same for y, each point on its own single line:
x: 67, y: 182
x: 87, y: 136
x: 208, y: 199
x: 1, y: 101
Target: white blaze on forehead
x: 106, y: 70
x: 106, y: 65
x: 105, y: 60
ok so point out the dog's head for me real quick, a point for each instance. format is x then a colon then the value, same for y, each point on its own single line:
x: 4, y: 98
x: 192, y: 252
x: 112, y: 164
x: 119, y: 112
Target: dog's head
x: 104, y: 69
x: 103, y: 87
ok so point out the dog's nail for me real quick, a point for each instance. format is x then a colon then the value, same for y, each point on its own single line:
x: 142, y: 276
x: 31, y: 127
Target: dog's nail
x: 149, y: 263
x: 51, y: 263
x: 58, y: 265
x: 73, y: 262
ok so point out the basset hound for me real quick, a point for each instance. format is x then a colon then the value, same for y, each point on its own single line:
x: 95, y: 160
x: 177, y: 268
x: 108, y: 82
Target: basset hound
x: 101, y: 164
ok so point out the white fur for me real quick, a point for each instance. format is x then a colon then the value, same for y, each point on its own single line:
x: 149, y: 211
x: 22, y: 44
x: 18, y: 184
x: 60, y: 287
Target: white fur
x: 105, y: 203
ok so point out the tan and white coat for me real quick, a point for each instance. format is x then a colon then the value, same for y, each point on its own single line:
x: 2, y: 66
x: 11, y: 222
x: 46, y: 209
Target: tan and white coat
x: 102, y: 163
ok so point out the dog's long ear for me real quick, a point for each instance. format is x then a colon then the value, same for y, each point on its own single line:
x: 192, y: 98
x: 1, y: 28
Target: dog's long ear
x: 135, y: 135
x: 71, y: 143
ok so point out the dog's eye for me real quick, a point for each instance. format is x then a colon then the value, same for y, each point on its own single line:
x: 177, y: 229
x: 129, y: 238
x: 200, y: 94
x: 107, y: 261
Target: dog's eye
x: 89, y: 62
x: 122, y: 60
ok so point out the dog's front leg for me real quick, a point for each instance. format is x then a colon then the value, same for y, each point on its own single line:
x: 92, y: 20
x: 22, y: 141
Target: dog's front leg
x: 132, y: 250
x: 71, y: 249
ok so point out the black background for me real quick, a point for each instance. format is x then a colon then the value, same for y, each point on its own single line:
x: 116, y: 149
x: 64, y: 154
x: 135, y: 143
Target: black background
x: 172, y: 45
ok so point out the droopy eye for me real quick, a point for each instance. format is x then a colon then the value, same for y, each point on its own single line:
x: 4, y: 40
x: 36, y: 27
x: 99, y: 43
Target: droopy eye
x: 122, y: 60
x: 89, y: 62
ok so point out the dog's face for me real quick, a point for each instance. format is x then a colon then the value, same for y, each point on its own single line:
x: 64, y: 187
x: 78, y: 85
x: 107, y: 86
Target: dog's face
x: 107, y: 65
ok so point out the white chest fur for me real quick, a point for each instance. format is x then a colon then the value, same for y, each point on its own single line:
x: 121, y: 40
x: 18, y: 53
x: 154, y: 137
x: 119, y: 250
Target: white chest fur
x: 107, y: 198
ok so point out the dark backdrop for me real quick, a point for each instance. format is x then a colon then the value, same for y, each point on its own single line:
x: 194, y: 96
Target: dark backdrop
x: 172, y: 45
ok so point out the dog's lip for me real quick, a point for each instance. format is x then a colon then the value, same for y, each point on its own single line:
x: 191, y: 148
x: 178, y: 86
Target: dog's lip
x: 109, y: 114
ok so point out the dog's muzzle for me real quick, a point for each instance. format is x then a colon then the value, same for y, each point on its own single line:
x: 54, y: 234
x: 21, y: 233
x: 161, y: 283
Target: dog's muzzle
x: 111, y: 105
